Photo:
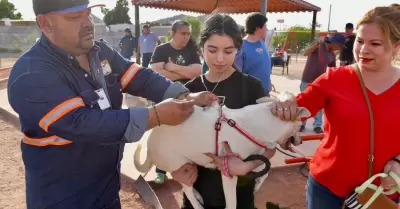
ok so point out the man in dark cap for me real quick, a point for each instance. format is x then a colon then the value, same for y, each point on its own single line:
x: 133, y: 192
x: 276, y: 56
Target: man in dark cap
x: 320, y: 55
x: 127, y: 44
x: 346, y: 56
x: 67, y: 90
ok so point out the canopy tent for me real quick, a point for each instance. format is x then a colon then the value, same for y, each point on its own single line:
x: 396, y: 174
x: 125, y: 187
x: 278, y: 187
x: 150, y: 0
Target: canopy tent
x: 229, y: 6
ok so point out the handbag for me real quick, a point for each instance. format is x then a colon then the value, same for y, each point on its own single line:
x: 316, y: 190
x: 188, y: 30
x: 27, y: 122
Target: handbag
x: 369, y: 195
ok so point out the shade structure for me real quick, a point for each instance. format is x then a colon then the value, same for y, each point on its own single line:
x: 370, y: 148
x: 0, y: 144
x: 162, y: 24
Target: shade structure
x: 228, y: 6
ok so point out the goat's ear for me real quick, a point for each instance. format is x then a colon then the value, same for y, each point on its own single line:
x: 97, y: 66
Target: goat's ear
x: 265, y: 100
x: 303, y: 112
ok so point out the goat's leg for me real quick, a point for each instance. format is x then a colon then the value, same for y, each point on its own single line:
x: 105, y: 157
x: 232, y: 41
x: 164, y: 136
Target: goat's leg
x: 189, y: 192
x: 229, y: 186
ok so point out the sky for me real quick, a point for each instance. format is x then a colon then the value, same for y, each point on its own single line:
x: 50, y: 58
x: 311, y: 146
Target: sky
x: 343, y: 11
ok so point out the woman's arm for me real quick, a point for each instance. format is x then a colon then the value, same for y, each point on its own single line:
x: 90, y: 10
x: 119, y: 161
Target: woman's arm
x: 312, y: 48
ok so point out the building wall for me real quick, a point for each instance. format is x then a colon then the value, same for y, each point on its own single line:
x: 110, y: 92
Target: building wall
x: 22, y: 37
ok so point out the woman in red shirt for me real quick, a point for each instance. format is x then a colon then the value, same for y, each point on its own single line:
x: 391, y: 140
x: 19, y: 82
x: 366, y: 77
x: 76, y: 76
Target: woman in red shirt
x: 341, y: 161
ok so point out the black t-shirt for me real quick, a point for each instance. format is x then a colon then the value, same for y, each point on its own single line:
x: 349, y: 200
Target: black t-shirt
x: 184, y: 57
x: 239, y: 90
x: 346, y: 54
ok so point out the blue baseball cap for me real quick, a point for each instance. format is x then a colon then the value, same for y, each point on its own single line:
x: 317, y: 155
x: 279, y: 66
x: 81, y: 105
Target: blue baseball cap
x: 61, y: 6
x: 337, y: 38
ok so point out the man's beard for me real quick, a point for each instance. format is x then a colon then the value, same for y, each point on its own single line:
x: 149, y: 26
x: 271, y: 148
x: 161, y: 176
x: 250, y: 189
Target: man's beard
x: 84, y: 42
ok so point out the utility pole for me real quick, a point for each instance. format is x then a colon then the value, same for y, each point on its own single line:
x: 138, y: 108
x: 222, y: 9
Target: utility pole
x: 329, y: 20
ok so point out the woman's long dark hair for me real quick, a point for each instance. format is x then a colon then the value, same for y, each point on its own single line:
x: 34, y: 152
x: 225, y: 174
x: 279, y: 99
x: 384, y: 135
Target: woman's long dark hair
x: 180, y: 23
x: 221, y: 24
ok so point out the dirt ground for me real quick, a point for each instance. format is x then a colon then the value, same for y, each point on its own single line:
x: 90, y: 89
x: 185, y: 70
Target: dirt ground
x: 283, y: 186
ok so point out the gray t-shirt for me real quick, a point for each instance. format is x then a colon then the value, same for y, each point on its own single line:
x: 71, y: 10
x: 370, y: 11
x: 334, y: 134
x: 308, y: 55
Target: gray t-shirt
x: 317, y: 63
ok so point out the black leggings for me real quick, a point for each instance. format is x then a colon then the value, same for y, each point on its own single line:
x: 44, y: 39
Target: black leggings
x: 209, y: 185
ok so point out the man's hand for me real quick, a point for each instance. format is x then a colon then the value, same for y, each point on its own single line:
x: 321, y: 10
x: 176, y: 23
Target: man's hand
x: 170, y: 112
x: 204, y: 98
x: 187, y: 174
x: 170, y: 66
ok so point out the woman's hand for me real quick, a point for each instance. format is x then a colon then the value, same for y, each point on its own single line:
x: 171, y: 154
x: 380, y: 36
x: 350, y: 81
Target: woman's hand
x: 286, y: 109
x: 187, y: 174
x: 391, y: 166
x: 236, y: 166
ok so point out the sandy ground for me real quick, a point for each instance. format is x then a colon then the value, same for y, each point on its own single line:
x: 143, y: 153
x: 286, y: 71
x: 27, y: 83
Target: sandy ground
x: 284, y: 186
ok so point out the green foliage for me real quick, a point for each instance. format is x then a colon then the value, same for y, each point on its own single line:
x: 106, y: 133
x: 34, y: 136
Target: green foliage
x: 196, y: 24
x: 8, y: 10
x: 296, y: 35
x: 118, y: 15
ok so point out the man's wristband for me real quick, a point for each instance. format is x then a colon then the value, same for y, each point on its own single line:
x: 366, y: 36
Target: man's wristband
x: 155, y: 110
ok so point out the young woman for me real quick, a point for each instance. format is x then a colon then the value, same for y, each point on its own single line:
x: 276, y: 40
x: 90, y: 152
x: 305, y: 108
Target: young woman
x: 177, y: 60
x: 341, y: 161
x: 220, y: 40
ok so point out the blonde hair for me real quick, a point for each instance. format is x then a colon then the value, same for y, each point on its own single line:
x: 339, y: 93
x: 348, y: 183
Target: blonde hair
x: 388, y: 18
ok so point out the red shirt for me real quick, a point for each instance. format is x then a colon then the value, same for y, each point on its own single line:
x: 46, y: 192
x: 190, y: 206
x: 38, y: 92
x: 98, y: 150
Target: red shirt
x: 340, y: 163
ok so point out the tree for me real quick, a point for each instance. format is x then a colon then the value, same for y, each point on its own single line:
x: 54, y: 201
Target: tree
x: 118, y: 15
x: 8, y: 10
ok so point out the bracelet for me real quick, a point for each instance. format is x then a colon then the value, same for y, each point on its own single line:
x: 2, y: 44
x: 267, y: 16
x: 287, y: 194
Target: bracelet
x: 396, y: 160
x: 155, y: 110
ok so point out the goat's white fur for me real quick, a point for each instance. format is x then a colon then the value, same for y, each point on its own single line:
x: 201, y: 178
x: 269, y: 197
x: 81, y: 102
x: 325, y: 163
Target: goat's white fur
x: 170, y: 147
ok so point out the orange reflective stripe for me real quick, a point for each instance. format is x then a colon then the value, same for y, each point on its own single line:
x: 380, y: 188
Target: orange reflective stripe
x: 59, y: 111
x: 41, y: 142
x: 129, y: 74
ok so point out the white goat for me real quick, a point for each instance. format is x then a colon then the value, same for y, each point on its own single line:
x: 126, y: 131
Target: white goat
x: 170, y: 147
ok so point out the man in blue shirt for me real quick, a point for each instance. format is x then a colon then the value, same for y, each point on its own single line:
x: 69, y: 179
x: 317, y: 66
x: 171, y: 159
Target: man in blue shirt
x: 127, y: 44
x: 253, y: 58
x: 67, y: 90
x: 147, y: 43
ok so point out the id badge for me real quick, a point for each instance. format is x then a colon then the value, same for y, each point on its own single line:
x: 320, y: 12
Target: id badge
x: 103, y: 100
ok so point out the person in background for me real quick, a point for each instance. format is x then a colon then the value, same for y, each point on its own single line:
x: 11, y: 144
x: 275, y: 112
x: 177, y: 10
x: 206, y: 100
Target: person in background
x: 278, y: 57
x: 346, y: 53
x: 253, y: 58
x: 127, y: 44
x: 177, y: 60
x: 147, y: 43
x: 220, y: 40
x: 320, y: 55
